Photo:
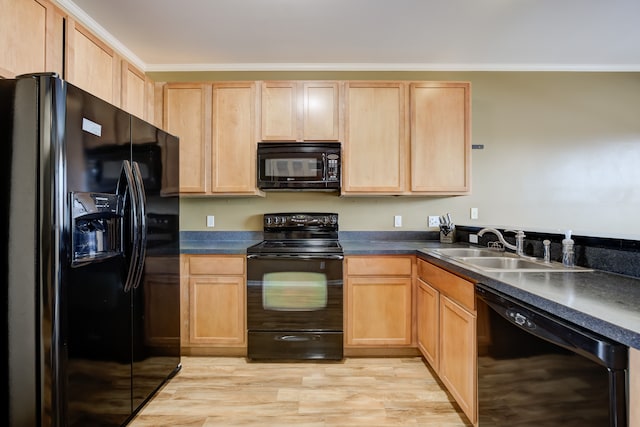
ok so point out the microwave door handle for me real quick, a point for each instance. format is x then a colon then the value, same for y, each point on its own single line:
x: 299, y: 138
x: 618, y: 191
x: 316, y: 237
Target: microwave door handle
x: 125, y: 189
x: 142, y: 223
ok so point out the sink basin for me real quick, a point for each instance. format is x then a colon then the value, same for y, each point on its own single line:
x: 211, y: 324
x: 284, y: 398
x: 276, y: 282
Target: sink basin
x: 506, y: 264
x: 472, y: 252
x: 495, y: 261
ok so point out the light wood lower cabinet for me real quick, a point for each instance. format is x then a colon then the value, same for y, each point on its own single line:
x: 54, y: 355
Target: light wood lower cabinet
x: 428, y: 322
x: 378, y: 301
x: 446, y: 324
x: 161, y: 289
x: 214, y: 320
x: 634, y: 387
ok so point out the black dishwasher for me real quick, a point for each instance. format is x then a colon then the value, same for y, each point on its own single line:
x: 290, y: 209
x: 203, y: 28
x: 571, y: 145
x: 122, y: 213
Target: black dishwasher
x: 537, y: 370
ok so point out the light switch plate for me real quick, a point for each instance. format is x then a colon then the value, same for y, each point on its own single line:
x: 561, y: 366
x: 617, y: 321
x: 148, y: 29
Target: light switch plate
x: 211, y: 221
x: 397, y: 221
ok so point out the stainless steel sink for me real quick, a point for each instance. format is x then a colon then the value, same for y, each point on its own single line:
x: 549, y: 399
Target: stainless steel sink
x: 472, y: 252
x: 495, y: 261
x: 517, y: 264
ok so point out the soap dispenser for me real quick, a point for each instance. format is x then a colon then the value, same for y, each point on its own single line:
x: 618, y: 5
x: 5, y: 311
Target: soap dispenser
x: 568, y: 256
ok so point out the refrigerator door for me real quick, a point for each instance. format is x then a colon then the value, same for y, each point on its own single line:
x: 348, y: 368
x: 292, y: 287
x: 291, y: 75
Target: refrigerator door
x: 98, y: 307
x: 156, y: 295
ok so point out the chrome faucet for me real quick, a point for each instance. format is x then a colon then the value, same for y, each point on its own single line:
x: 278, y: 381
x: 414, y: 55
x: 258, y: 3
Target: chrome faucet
x: 519, y: 246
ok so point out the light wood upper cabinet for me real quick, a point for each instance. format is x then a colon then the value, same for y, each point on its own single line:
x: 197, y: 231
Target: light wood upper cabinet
x: 376, y: 138
x: 440, y: 138
x: 233, y: 150
x: 187, y: 114
x: 31, y: 36
x: 378, y: 302
x: 300, y: 111
x: 279, y: 113
x: 321, y: 111
x: 135, y: 92
x: 216, y: 124
x: 91, y: 64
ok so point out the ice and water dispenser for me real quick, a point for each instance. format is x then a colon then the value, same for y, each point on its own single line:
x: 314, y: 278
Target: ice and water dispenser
x: 96, y: 227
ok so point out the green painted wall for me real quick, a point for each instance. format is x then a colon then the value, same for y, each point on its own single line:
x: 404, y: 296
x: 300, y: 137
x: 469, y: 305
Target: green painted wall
x: 561, y: 150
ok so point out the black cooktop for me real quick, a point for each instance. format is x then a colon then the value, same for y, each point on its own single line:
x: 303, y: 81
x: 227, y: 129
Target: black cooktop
x: 299, y: 233
x: 296, y: 246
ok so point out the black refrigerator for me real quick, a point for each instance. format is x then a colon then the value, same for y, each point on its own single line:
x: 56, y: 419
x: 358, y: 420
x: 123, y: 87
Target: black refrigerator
x: 89, y: 210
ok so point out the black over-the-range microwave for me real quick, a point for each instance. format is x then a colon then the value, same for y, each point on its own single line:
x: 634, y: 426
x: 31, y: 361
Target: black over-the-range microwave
x: 298, y: 166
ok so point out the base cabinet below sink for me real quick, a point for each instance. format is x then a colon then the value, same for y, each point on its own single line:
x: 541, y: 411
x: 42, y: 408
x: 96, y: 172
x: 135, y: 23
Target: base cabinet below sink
x: 446, y: 329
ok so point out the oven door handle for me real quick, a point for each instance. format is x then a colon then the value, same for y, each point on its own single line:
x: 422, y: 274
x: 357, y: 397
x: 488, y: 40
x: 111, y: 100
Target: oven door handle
x: 295, y: 256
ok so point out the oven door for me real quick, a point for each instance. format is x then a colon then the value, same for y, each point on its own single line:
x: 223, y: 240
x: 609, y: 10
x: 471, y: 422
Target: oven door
x: 294, y: 292
x: 294, y: 307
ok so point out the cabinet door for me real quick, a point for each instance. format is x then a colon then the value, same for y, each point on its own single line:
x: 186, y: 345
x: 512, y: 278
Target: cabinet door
x: 187, y: 114
x: 134, y: 91
x: 376, y: 144
x: 280, y: 112
x: 233, y: 148
x: 31, y: 36
x: 440, y: 138
x: 321, y: 111
x: 162, y: 314
x: 458, y: 354
x: 378, y: 311
x: 91, y: 64
x: 428, y: 323
x: 217, y: 310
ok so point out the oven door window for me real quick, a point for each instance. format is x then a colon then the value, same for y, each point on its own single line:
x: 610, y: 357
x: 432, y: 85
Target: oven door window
x: 294, y: 291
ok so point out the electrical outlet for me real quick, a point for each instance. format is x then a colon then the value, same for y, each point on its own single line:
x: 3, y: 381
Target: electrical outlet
x: 211, y: 221
x: 434, y: 221
x: 473, y: 238
x: 474, y: 213
x: 397, y: 221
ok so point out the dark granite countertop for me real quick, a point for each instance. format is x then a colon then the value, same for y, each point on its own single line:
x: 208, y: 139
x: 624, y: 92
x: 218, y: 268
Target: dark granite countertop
x: 605, y: 303
x: 218, y: 242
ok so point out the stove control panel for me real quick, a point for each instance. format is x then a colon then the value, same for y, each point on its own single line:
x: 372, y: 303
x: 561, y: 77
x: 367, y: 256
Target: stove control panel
x: 300, y: 220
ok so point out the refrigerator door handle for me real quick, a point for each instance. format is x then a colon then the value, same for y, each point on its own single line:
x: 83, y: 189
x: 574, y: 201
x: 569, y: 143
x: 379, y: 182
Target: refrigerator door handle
x: 142, y: 224
x: 126, y: 186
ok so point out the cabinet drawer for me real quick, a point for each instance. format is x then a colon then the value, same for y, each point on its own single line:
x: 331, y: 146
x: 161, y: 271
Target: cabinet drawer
x: 162, y: 265
x: 449, y: 284
x: 378, y: 266
x: 216, y: 265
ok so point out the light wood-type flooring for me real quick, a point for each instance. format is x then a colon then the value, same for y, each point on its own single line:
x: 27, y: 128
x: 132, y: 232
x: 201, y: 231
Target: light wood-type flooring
x: 213, y: 391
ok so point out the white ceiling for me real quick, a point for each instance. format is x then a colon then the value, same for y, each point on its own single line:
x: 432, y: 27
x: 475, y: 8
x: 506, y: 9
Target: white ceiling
x: 175, y: 35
